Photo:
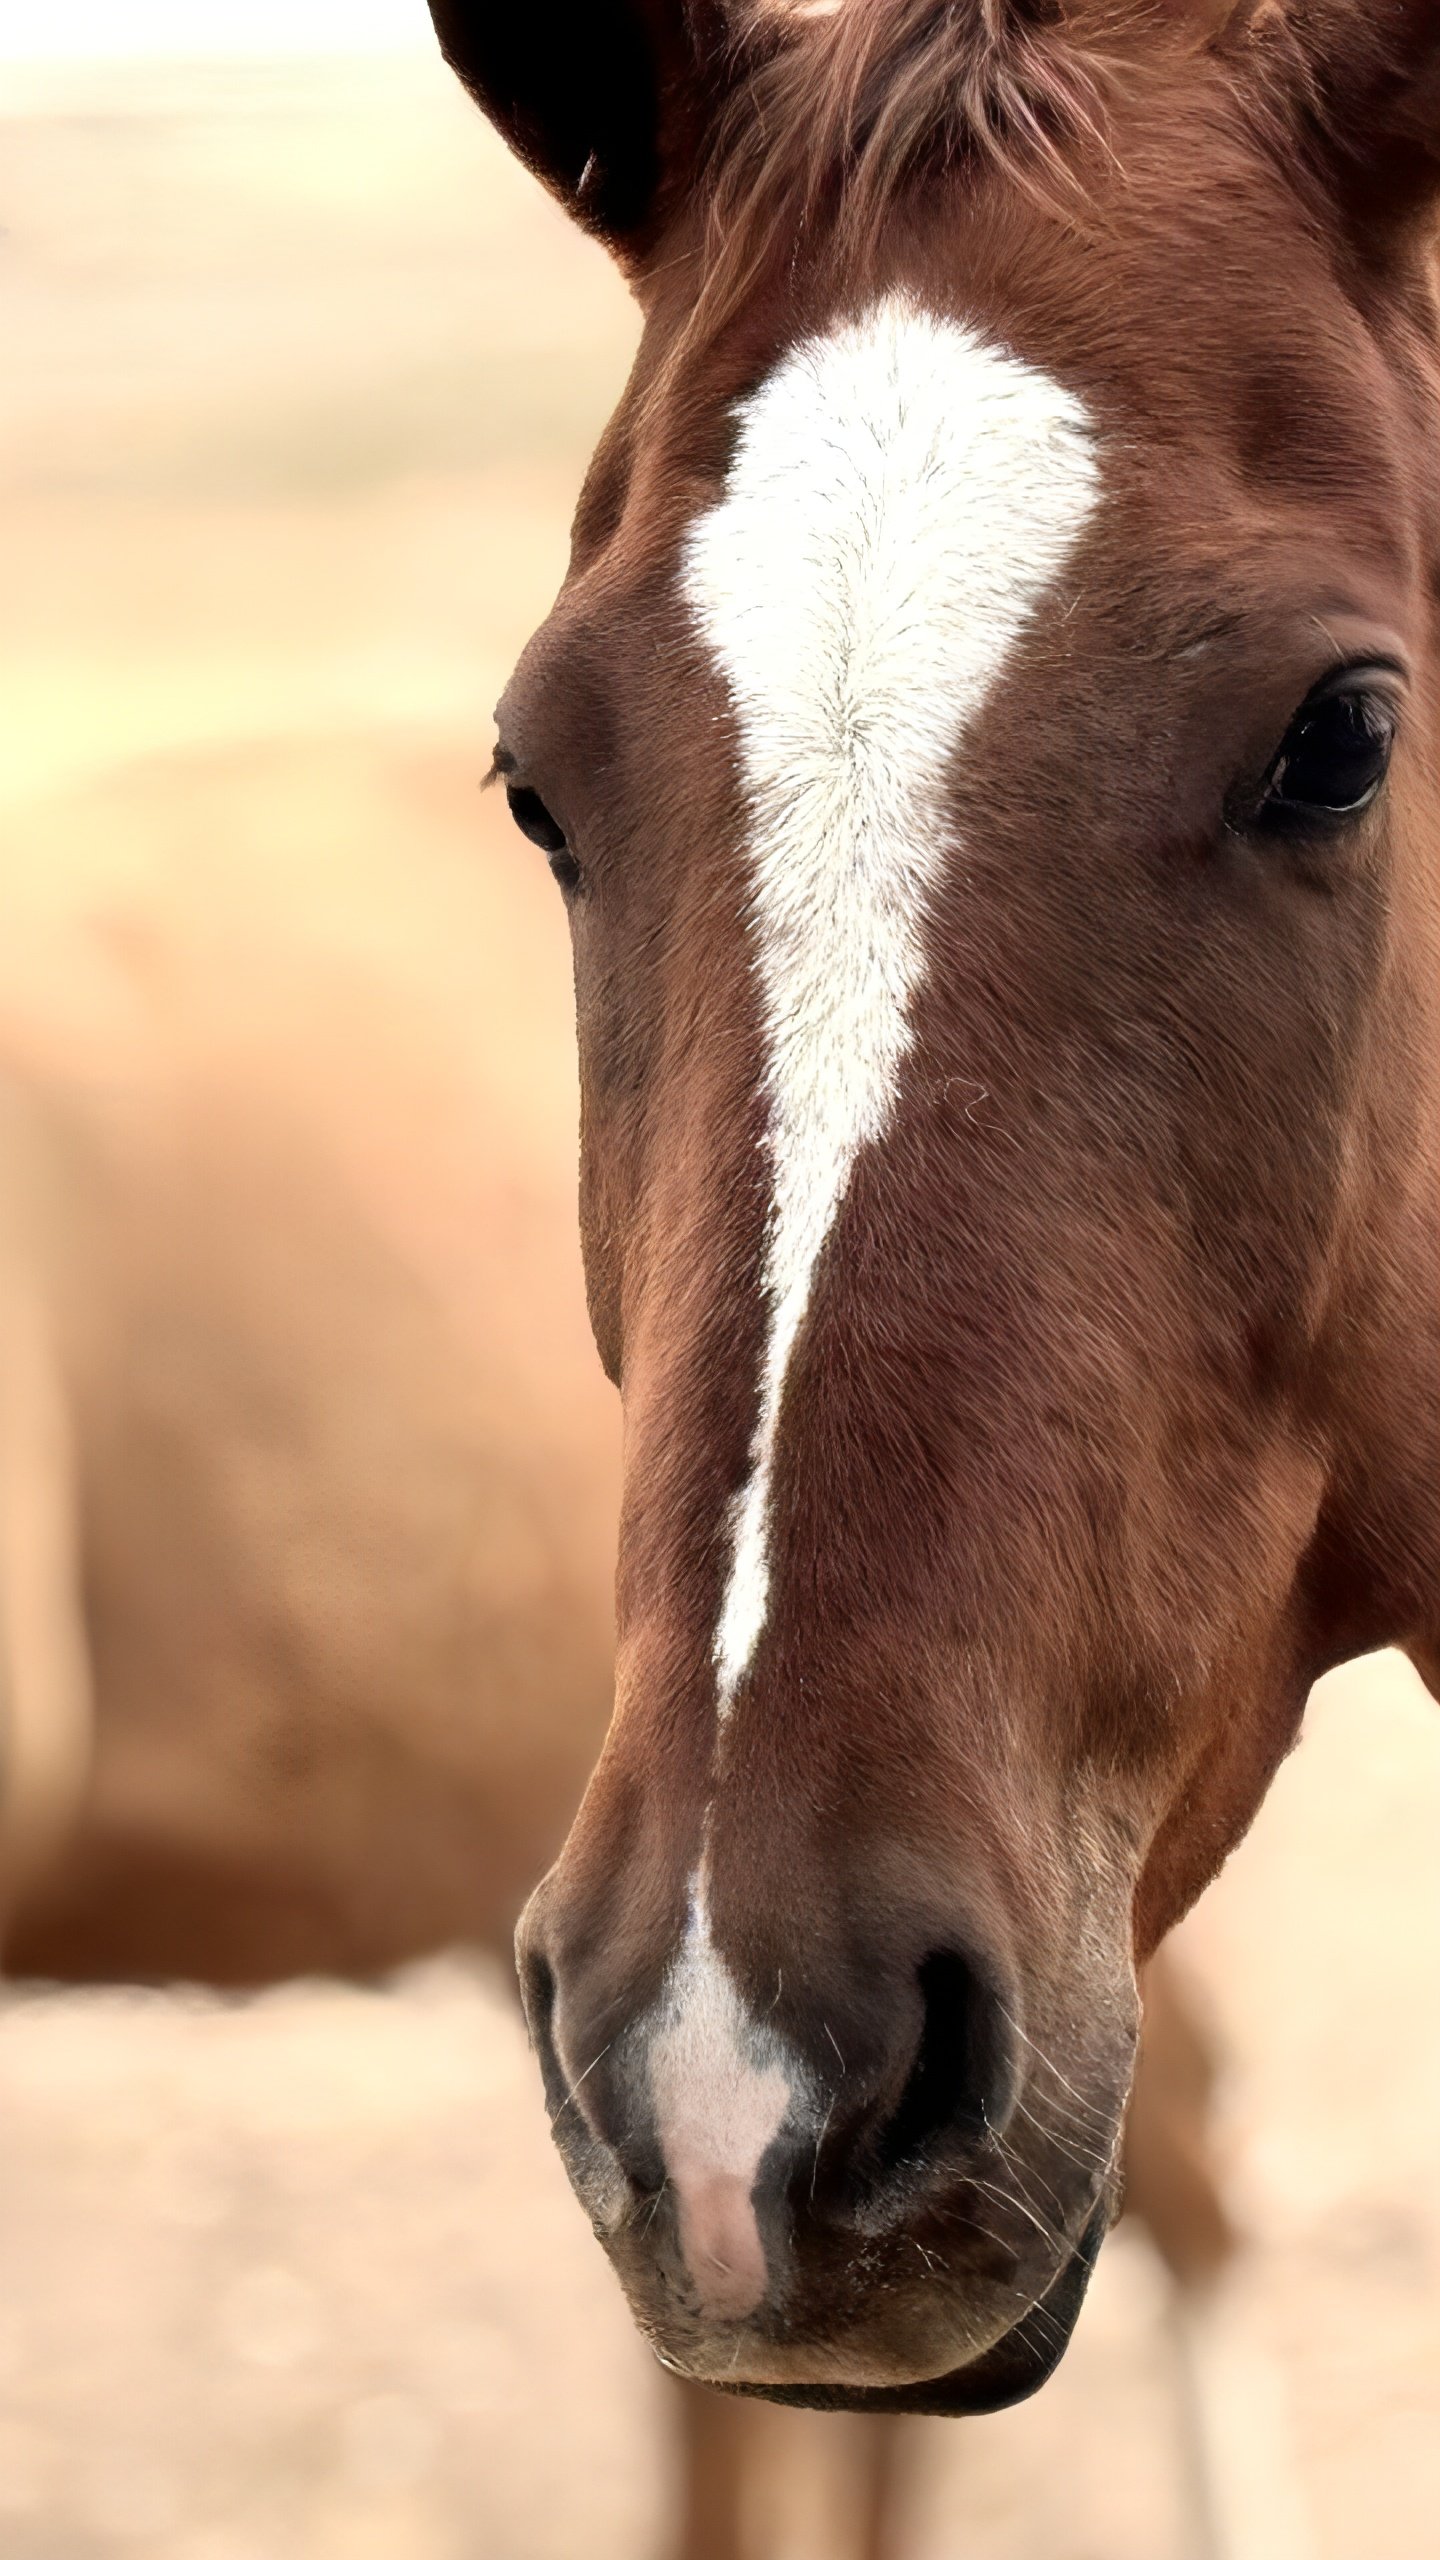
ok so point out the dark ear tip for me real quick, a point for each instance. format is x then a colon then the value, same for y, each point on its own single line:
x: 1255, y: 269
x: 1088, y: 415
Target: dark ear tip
x: 595, y: 96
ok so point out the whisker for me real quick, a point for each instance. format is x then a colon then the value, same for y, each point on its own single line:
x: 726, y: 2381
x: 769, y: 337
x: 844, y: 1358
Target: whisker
x: 1086, y: 2105
x: 569, y: 2099
x: 1013, y: 2169
x: 1046, y: 2322
x: 1053, y: 2239
x: 1059, y: 2116
x: 819, y: 2139
x: 1088, y: 2160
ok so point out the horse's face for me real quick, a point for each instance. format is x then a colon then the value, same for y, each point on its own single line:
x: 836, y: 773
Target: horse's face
x: 984, y: 742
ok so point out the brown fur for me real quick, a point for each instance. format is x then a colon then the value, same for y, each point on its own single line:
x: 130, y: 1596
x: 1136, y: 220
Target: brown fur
x: 1116, y: 1419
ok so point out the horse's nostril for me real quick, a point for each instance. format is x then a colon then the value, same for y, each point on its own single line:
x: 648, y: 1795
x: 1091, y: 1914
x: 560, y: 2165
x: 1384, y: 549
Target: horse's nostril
x: 960, y: 2080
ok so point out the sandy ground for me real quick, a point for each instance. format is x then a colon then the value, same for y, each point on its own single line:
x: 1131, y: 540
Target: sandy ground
x: 299, y: 383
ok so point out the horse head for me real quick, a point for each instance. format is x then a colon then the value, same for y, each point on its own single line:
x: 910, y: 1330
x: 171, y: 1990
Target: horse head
x: 987, y: 744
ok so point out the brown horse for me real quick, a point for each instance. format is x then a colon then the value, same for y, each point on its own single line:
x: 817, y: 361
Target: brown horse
x: 987, y: 744
x: 307, y: 1477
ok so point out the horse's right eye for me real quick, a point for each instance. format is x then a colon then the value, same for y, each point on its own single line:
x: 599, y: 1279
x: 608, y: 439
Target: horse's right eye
x: 1335, y: 754
x: 534, y: 820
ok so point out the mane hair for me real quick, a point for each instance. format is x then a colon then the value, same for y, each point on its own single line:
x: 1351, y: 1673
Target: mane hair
x: 843, y: 105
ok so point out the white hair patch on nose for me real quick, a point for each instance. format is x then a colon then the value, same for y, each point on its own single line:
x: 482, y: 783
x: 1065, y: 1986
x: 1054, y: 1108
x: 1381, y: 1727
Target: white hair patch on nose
x: 721, y: 2092
x: 900, y: 496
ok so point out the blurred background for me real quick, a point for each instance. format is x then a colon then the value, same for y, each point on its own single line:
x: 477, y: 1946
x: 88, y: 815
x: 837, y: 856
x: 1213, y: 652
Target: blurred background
x: 306, y: 1465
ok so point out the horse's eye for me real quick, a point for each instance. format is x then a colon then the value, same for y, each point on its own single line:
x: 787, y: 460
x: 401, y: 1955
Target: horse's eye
x: 534, y: 820
x: 1335, y: 755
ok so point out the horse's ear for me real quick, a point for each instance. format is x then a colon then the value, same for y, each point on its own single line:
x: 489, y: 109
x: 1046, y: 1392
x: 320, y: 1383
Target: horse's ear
x: 608, y: 101
x: 1365, y: 78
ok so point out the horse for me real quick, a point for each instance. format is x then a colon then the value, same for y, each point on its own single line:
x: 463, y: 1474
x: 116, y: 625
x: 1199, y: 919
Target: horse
x: 304, y: 1534
x: 986, y: 745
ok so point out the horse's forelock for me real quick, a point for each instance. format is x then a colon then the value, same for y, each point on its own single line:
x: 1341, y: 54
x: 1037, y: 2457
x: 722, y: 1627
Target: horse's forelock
x: 847, y: 102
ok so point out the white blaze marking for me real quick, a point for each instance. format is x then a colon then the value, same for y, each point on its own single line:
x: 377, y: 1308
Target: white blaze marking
x: 721, y: 2093
x: 900, y: 496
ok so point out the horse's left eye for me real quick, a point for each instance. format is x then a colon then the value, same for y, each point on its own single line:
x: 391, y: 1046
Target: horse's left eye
x: 1335, y: 755
x: 534, y: 820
